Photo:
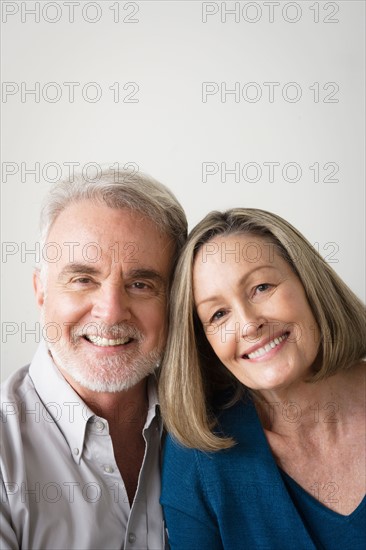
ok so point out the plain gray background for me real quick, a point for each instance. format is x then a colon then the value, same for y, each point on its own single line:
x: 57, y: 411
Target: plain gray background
x: 296, y: 72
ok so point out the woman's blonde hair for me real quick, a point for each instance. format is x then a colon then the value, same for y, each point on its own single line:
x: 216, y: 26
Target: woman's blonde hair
x: 192, y: 374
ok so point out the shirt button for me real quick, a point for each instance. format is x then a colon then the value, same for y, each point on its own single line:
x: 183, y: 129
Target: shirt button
x: 99, y: 426
x: 76, y: 451
x: 108, y: 469
x: 132, y: 538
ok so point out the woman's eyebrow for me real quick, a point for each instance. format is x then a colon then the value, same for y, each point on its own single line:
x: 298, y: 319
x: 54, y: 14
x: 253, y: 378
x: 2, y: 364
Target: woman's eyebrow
x: 241, y: 281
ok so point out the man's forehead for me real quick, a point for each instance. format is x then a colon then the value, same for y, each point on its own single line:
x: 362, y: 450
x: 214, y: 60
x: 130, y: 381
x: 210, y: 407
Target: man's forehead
x: 86, y: 212
x: 87, y: 221
x: 96, y: 235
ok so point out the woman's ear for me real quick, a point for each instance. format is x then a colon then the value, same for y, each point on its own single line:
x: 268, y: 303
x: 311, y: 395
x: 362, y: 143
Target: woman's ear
x: 38, y: 287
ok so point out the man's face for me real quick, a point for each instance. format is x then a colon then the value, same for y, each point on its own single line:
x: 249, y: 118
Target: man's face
x: 103, y: 295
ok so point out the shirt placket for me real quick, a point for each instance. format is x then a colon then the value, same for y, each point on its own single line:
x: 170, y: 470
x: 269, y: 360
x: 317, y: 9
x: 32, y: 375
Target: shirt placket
x: 100, y: 447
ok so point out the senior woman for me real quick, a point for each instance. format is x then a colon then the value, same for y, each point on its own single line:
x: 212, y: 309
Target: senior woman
x: 263, y: 392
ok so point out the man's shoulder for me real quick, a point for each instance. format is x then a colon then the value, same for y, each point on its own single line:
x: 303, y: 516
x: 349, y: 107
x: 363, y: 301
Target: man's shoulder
x: 23, y: 384
x: 15, y: 392
x: 16, y: 384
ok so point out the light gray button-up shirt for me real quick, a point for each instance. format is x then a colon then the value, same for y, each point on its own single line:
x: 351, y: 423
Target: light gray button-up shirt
x: 60, y: 484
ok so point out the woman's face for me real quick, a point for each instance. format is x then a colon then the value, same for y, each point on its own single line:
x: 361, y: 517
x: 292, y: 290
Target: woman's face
x: 254, y: 311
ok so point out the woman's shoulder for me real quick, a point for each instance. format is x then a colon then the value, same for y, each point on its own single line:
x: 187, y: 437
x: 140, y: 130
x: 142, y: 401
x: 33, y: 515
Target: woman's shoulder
x: 236, y: 415
x: 248, y: 462
x: 238, y: 420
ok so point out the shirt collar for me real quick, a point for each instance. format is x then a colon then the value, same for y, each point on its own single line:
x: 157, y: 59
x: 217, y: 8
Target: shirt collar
x: 62, y: 403
x: 154, y: 409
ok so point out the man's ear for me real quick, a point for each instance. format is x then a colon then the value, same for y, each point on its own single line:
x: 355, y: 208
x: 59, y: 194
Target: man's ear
x: 38, y: 287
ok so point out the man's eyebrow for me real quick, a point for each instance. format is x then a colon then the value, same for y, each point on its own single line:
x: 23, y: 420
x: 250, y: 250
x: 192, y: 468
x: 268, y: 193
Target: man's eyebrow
x: 73, y: 268
x: 86, y: 269
x: 145, y: 273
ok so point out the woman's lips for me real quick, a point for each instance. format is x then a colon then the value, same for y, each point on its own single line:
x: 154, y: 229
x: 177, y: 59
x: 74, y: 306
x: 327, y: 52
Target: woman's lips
x: 265, y: 348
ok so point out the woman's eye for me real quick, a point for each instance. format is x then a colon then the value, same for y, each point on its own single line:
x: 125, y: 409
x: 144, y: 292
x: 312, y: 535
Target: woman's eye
x: 217, y: 316
x: 262, y: 287
x: 262, y: 290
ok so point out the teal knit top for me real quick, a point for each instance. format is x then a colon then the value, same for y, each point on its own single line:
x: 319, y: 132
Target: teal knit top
x: 239, y: 499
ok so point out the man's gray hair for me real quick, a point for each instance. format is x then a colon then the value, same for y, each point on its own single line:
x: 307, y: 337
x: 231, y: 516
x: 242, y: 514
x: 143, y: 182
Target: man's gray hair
x: 119, y: 189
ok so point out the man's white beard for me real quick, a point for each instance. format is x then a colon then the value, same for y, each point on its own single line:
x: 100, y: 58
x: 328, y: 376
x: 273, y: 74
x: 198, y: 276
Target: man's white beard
x: 109, y: 373
x: 105, y: 374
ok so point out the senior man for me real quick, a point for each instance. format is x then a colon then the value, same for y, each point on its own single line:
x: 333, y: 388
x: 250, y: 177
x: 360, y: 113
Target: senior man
x: 80, y: 425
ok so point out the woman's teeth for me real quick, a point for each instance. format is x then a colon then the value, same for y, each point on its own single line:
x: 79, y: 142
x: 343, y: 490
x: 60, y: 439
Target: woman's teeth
x: 265, y: 349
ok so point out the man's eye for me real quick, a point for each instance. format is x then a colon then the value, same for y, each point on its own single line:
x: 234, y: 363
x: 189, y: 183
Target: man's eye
x: 82, y: 280
x: 139, y: 285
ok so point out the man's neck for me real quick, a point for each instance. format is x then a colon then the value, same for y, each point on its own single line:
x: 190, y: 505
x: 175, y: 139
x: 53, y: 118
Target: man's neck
x: 119, y: 408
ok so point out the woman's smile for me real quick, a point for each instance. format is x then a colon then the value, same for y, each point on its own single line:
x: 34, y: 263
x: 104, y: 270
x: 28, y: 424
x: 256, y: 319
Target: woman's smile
x: 263, y: 351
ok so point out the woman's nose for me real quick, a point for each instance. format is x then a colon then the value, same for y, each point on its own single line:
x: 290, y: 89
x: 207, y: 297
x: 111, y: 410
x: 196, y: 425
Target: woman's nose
x: 251, y: 320
x: 245, y: 323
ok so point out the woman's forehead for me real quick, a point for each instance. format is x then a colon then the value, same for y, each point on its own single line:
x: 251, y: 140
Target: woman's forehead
x: 238, y: 248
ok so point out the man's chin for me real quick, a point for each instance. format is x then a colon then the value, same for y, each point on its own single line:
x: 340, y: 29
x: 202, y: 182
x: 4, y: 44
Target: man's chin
x: 109, y: 375
x: 103, y: 386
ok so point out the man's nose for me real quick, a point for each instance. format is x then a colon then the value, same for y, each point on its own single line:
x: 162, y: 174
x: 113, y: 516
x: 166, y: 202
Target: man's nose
x: 112, y: 304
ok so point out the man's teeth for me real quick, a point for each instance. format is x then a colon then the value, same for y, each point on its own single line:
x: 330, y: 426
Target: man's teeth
x: 265, y: 349
x: 99, y: 341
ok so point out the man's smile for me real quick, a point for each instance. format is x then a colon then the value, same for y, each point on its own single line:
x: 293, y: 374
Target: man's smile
x: 104, y: 342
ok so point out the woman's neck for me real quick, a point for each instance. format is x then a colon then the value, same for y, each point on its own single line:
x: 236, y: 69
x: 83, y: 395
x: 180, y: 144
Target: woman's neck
x: 304, y: 408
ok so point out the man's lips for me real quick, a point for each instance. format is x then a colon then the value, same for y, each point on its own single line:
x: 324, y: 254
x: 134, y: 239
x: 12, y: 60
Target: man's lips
x: 105, y: 342
x: 258, y: 351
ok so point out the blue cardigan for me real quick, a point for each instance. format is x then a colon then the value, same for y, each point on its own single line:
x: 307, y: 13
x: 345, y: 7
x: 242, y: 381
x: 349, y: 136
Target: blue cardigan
x: 237, y: 498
